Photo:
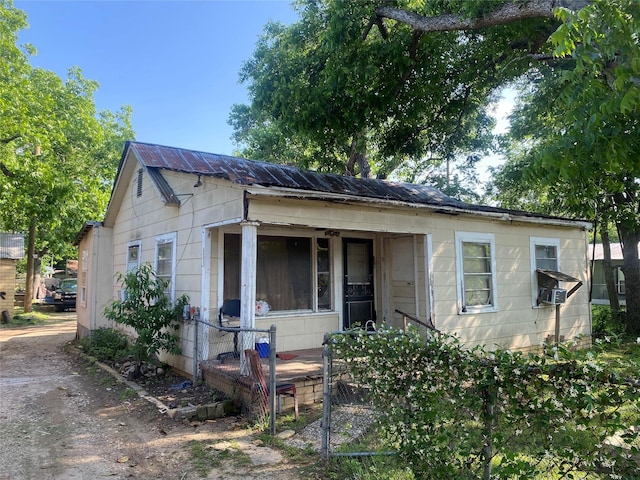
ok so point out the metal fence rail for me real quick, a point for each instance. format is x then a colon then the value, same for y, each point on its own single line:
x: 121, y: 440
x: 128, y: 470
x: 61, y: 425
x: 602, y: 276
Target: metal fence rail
x: 349, y: 425
x: 219, y: 358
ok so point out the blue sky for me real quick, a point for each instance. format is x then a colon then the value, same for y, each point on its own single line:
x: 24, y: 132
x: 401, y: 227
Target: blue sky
x: 176, y: 63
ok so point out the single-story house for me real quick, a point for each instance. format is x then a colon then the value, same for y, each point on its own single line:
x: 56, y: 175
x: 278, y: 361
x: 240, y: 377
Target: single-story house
x: 599, y: 295
x: 323, y: 252
x: 11, y: 250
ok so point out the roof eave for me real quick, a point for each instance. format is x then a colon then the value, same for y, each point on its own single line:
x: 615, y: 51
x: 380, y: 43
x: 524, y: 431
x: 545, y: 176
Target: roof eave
x: 443, y: 209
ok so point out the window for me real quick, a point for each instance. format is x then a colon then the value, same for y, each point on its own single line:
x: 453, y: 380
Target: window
x: 133, y: 256
x: 476, y: 272
x: 166, y: 261
x: 84, y: 268
x: 618, y: 275
x: 545, y: 256
x: 288, y: 271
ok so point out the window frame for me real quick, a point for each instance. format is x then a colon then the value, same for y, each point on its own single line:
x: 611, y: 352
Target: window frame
x: 479, y: 238
x: 314, y: 270
x: 162, y: 240
x: 541, y: 242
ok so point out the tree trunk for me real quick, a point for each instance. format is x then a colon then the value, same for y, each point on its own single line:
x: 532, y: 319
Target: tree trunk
x: 612, y: 291
x: 31, y: 253
x: 631, y: 269
x: 358, y: 155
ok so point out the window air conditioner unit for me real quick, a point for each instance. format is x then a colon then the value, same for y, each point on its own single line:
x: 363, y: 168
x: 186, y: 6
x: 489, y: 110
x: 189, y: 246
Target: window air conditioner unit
x: 556, y: 296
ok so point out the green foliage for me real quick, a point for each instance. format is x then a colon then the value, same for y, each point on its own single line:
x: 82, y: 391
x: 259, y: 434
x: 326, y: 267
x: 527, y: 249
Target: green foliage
x: 603, y: 324
x: 453, y: 412
x: 20, y: 318
x: 147, y: 308
x: 106, y: 344
x: 336, y: 84
x: 58, y: 154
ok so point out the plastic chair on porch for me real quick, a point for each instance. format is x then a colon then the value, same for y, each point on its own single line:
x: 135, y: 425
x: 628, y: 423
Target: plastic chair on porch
x: 258, y: 378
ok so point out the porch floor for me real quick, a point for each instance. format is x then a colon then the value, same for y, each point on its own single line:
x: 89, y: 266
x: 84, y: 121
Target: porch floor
x: 302, y: 367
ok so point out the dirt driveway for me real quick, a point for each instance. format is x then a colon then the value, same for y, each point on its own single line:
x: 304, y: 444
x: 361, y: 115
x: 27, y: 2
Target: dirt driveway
x: 63, y: 418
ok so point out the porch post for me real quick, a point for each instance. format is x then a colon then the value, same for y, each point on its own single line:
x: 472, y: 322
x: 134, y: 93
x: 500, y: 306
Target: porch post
x: 248, y: 287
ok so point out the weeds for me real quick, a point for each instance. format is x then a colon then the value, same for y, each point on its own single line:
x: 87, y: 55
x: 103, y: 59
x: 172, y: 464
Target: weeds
x: 128, y: 394
x: 106, y: 344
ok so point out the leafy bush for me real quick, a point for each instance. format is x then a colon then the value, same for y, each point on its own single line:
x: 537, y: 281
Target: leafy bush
x: 148, y: 310
x: 603, y: 323
x: 106, y: 344
x: 454, y: 412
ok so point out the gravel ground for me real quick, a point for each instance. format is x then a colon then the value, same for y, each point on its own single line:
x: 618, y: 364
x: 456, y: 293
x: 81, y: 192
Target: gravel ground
x: 62, y: 418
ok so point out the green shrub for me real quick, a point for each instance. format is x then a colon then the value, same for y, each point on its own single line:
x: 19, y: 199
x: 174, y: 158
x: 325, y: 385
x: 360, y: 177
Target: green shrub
x: 106, y: 344
x: 603, y: 323
x: 149, y: 311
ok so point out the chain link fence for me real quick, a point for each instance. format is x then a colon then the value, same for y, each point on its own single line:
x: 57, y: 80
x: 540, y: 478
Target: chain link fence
x: 221, y: 361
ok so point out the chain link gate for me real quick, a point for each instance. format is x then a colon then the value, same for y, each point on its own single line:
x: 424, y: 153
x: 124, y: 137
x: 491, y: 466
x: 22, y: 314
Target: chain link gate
x: 349, y: 423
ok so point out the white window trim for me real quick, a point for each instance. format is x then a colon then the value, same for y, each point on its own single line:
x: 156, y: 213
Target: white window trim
x: 489, y: 238
x: 533, y: 243
x: 162, y: 239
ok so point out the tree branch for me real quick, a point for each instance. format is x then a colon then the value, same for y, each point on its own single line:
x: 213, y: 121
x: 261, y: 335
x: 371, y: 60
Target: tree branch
x: 6, y: 171
x: 10, y: 139
x: 510, y: 12
x: 3, y: 167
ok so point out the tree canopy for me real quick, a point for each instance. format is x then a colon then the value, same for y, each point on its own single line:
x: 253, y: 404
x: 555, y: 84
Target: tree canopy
x: 342, y: 90
x: 58, y: 155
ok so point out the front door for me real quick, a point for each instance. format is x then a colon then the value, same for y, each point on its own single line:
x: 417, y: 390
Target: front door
x: 358, y: 282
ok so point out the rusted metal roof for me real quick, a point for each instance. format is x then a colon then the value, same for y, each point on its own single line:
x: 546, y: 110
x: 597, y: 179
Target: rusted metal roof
x: 616, y: 251
x: 252, y: 172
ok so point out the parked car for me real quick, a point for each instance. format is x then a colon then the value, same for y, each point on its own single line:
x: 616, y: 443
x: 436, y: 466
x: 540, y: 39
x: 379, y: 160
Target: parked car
x: 65, y: 295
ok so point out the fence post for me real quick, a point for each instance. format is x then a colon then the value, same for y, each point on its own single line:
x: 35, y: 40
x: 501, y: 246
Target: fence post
x: 195, y: 352
x: 272, y: 379
x: 326, y: 398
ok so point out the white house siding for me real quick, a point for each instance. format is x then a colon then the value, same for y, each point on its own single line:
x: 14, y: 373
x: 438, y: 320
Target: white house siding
x: 300, y: 331
x: 515, y: 324
x: 145, y: 218
x: 97, y: 279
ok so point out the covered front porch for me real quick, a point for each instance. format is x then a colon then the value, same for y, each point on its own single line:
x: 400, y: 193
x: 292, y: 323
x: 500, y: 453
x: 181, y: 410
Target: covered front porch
x: 310, y: 281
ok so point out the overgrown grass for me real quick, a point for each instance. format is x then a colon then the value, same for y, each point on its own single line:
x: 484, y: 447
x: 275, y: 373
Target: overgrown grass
x: 34, y: 317
x: 128, y: 394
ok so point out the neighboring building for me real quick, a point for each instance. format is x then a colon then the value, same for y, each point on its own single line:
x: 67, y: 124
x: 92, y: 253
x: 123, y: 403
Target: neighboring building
x: 11, y: 250
x: 326, y: 252
x: 599, y: 295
